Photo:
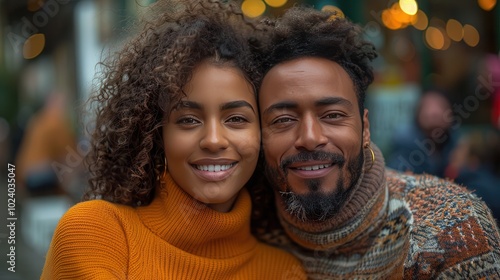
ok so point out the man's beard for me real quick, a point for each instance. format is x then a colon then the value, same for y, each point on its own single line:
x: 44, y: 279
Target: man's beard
x: 316, y: 205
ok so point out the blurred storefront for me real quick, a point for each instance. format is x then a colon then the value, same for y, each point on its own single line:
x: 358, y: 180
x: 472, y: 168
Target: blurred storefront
x: 55, y: 45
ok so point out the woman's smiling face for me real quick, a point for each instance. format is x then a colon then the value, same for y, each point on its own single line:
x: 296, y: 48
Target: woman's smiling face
x: 212, y: 138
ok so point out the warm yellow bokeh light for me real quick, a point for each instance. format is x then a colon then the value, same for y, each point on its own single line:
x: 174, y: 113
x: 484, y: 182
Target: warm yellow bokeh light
x: 454, y: 30
x: 275, y: 3
x: 400, y: 16
x: 434, y: 38
x: 410, y: 7
x: 471, y: 35
x: 33, y: 46
x: 388, y: 20
x: 394, y: 18
x: 487, y: 5
x: 337, y: 10
x: 253, y: 8
x: 447, y: 40
x: 422, y: 21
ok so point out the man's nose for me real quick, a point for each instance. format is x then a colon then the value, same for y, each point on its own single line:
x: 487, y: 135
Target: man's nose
x: 310, y: 134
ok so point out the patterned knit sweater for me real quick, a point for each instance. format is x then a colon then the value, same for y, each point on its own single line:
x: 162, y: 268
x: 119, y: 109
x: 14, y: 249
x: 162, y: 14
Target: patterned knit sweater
x: 395, y: 226
x: 175, y: 237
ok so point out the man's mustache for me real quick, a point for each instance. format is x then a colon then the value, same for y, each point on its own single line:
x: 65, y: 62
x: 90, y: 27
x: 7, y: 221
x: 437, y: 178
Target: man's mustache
x: 334, y: 158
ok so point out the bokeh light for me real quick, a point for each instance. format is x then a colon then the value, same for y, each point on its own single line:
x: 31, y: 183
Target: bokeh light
x: 454, y: 30
x: 275, y: 3
x: 471, y: 35
x: 422, y: 21
x: 447, y: 40
x: 434, y: 38
x: 395, y: 18
x: 33, y: 46
x: 410, y: 7
x: 389, y: 21
x: 253, y: 8
x: 487, y: 5
x: 337, y: 10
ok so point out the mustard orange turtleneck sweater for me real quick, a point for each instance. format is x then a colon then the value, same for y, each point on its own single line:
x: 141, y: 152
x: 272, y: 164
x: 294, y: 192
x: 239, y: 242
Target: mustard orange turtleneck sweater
x: 175, y: 237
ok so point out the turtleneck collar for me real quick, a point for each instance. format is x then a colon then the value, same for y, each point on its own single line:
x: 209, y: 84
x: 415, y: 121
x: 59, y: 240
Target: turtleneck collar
x: 361, y: 215
x: 190, y: 225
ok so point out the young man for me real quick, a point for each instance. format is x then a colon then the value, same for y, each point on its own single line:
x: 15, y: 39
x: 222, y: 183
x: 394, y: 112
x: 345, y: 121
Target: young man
x: 344, y: 214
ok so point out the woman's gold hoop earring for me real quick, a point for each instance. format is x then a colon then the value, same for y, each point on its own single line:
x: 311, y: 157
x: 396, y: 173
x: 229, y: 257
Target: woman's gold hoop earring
x: 367, y: 145
x: 160, y: 175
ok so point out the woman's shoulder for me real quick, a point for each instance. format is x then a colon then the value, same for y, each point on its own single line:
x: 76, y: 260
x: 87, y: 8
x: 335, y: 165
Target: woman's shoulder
x: 90, y: 239
x: 96, y: 213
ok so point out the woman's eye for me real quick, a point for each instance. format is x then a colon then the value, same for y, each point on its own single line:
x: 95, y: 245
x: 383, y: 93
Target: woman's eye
x: 187, y: 121
x: 237, y: 119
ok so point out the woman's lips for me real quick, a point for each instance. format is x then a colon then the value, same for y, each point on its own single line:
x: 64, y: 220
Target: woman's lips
x: 214, y: 172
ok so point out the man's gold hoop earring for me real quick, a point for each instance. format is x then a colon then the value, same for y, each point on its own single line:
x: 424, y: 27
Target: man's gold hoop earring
x: 367, y: 145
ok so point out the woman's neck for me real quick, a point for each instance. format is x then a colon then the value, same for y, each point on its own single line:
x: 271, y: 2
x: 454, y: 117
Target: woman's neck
x: 223, y: 207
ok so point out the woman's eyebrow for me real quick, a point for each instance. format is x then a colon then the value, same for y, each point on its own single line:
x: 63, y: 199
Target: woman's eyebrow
x: 236, y: 104
x: 189, y: 105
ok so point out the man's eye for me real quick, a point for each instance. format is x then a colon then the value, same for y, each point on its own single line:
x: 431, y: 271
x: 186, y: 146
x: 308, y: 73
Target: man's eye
x: 333, y: 116
x: 282, y: 120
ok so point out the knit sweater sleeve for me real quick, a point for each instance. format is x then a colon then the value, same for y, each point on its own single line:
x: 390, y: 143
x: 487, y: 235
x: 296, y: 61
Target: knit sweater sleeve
x: 454, y: 235
x: 88, y: 243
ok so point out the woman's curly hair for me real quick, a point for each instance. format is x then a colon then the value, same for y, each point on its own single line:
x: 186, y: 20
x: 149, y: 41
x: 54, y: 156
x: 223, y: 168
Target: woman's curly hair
x: 145, y: 80
x: 304, y: 31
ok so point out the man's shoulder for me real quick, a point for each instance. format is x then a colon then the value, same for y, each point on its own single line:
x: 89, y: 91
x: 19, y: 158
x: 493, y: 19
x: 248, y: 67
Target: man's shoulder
x: 424, y: 186
x: 453, y: 233
x: 435, y: 199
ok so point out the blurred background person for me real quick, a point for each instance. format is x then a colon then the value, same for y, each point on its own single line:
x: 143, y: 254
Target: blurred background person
x: 475, y: 163
x: 46, y: 140
x: 424, y: 145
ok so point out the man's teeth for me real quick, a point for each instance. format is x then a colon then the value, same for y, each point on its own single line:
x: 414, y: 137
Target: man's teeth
x: 214, y: 168
x: 314, y: 167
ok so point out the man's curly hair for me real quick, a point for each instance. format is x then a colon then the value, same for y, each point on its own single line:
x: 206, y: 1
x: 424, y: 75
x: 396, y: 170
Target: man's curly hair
x: 306, y: 32
x: 145, y: 80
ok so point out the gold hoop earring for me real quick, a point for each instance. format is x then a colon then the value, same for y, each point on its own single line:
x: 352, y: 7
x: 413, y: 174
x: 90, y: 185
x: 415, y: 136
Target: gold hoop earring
x: 159, y: 175
x: 367, y: 145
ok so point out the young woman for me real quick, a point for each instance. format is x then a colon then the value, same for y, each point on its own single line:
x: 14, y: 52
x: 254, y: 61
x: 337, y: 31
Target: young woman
x: 177, y: 138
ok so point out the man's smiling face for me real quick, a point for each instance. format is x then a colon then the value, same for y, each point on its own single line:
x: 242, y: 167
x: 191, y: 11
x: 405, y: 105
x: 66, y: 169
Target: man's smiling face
x: 312, y: 134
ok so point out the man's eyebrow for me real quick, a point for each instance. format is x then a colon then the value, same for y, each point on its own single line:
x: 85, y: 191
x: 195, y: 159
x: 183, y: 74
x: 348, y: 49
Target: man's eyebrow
x: 332, y: 101
x: 280, y: 106
x: 236, y: 104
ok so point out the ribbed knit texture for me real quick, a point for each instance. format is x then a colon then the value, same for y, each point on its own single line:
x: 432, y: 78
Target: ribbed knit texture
x: 175, y: 237
x: 397, y: 226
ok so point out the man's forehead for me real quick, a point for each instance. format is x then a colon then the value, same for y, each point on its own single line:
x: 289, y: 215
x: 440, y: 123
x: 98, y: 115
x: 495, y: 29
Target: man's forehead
x: 305, y: 72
